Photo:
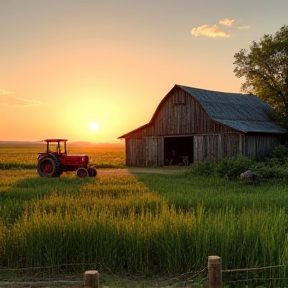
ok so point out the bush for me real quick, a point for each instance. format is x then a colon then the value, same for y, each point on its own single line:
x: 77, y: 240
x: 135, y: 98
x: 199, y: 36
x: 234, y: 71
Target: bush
x: 278, y: 155
x: 275, y: 166
x: 279, y: 152
x: 270, y: 171
x: 206, y: 168
x: 231, y: 168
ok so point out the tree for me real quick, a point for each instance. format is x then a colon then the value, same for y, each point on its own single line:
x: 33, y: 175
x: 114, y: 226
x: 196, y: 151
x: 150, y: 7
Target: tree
x: 265, y: 70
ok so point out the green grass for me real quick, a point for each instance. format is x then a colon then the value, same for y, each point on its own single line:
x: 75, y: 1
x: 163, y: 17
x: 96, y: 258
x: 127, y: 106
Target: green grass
x: 187, y: 191
x: 246, y: 225
x: 144, y: 224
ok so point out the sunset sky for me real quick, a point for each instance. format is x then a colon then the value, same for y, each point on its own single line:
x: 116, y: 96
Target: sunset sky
x: 65, y: 64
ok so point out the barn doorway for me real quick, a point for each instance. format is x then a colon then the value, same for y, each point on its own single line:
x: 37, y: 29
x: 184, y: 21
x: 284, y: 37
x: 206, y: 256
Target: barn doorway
x: 178, y: 150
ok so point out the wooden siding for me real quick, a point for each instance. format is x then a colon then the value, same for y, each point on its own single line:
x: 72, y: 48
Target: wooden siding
x: 135, y: 152
x: 148, y: 151
x: 184, y: 118
x: 154, y: 151
x: 258, y: 145
x: 217, y: 146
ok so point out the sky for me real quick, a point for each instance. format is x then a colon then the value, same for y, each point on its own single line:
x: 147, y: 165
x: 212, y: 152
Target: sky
x: 65, y: 64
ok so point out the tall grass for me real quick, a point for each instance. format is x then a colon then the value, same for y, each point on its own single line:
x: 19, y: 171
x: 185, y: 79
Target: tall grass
x: 144, y: 223
x: 123, y: 226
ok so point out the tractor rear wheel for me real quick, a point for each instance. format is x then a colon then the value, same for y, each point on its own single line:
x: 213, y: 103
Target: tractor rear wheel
x: 82, y: 172
x: 49, y: 167
x: 92, y: 172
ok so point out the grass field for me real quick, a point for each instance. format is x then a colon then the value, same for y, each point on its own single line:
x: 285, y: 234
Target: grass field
x: 143, y: 224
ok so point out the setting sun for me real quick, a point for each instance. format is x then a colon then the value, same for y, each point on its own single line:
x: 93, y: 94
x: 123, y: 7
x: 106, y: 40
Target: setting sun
x: 94, y: 127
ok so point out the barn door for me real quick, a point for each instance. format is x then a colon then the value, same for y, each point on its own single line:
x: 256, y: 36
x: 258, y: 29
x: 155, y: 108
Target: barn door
x: 176, y: 149
x: 154, y: 151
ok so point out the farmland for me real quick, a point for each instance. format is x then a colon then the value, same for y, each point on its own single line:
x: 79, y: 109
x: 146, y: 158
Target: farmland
x: 25, y: 155
x: 136, y: 224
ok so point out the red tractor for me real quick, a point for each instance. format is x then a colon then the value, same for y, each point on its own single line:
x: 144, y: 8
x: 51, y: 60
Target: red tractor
x: 55, y: 161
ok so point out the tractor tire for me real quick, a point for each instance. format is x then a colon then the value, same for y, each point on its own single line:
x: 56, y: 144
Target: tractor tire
x: 49, y: 167
x: 82, y: 172
x: 92, y: 172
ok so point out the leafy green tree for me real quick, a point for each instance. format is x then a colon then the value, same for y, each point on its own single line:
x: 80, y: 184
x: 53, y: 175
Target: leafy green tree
x: 264, y: 69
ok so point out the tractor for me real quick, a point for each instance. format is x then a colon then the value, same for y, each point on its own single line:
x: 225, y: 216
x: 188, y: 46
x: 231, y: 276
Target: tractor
x: 55, y: 161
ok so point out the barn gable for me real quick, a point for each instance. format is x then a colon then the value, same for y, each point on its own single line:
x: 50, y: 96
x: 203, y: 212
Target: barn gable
x: 202, y: 125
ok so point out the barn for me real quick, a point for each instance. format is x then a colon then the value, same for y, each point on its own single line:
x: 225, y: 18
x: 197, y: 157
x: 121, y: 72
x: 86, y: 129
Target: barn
x: 195, y: 125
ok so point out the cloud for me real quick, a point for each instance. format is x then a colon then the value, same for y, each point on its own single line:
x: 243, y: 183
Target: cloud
x: 243, y: 27
x: 234, y: 23
x: 214, y: 31
x: 209, y: 31
x: 227, y: 22
x: 8, y: 99
x: 3, y: 92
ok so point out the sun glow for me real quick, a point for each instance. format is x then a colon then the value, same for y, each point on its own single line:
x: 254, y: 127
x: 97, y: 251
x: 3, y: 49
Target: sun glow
x: 94, y: 127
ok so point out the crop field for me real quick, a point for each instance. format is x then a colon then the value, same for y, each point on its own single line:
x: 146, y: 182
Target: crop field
x: 25, y: 156
x: 146, y: 224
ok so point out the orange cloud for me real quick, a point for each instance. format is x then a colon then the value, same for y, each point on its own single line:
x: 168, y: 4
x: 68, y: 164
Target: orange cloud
x: 209, y: 31
x: 244, y: 27
x: 227, y: 22
x: 7, y: 98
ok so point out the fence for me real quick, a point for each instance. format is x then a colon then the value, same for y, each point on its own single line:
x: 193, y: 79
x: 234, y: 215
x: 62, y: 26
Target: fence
x: 245, y: 277
x: 212, y: 273
x: 215, y: 272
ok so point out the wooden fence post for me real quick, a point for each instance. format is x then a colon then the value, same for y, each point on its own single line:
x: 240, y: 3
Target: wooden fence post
x: 214, y: 272
x: 91, y: 279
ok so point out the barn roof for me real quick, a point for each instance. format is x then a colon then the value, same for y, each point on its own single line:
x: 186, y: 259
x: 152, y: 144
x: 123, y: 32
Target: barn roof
x: 245, y: 113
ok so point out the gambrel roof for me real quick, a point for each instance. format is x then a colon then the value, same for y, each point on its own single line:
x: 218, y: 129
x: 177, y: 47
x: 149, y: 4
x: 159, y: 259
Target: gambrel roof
x: 245, y: 113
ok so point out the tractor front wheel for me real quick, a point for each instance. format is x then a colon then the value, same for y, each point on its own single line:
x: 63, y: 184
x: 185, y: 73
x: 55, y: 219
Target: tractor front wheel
x: 92, y: 172
x: 82, y: 172
x: 48, y: 167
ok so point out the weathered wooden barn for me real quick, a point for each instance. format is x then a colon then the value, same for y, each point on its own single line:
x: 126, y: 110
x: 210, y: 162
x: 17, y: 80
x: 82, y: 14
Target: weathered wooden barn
x: 198, y: 125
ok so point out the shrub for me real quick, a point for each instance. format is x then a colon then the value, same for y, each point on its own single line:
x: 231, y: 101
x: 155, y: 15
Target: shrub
x: 231, y: 168
x: 275, y: 166
x: 279, y: 151
x: 278, y: 155
x: 206, y: 168
x: 271, y: 171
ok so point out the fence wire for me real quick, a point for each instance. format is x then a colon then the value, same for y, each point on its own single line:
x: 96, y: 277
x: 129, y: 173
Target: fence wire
x: 243, y: 277
x: 256, y: 276
x: 31, y: 276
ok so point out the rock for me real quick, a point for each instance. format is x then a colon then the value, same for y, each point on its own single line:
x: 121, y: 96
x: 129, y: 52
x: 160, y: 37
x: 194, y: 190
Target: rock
x: 248, y: 175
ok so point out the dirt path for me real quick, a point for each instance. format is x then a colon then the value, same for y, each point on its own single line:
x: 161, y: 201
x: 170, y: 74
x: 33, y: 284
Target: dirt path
x: 137, y: 170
